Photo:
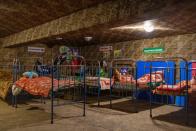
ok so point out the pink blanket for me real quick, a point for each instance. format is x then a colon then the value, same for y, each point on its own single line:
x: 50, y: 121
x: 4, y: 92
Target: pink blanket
x: 104, y: 82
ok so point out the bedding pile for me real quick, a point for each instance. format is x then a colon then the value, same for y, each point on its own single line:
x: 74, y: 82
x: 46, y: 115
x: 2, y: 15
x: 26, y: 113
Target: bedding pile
x: 5, y: 83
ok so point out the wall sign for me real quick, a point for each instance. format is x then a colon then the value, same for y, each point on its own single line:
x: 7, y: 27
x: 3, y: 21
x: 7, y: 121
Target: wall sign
x: 36, y: 49
x: 153, y: 50
x: 105, y: 48
x: 117, y: 53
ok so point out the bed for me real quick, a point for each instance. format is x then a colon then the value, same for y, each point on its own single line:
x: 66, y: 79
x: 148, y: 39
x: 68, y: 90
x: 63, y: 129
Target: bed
x: 42, y: 85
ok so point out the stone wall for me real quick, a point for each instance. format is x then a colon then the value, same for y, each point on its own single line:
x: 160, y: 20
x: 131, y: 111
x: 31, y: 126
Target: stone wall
x: 8, y: 54
x: 180, y: 45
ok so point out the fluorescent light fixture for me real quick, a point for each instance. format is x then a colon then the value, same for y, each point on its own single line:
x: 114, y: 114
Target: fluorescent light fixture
x: 148, y: 26
x: 88, y: 38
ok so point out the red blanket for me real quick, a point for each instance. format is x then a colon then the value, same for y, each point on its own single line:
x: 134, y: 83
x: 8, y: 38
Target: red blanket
x: 178, y: 87
x: 172, y: 89
x: 41, y: 85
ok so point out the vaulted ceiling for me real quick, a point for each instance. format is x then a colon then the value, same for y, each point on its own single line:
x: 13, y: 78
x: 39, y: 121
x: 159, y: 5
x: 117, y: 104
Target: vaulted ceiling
x: 18, y: 15
x: 178, y: 18
x: 104, y: 20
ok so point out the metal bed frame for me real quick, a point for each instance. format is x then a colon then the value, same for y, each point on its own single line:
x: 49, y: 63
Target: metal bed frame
x: 185, y: 93
x: 134, y: 86
x: 17, y: 69
x: 92, y: 70
x: 81, y: 84
x: 62, y: 71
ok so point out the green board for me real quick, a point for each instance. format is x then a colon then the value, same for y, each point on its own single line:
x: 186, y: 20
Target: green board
x: 153, y: 50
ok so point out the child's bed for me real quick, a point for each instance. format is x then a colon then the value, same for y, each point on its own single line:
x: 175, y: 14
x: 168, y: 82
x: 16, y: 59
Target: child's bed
x: 42, y: 85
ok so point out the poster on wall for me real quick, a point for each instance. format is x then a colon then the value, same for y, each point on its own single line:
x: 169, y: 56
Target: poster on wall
x: 117, y: 53
x: 105, y: 48
x: 75, y: 51
x: 106, y: 55
x: 36, y: 49
x: 106, y: 51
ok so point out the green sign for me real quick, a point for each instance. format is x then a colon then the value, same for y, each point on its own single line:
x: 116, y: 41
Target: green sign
x: 153, y: 50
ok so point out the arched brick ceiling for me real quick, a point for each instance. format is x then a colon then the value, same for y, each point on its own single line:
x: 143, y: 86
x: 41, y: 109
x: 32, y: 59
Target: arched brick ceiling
x: 177, y: 15
x: 180, y: 19
x: 18, y: 15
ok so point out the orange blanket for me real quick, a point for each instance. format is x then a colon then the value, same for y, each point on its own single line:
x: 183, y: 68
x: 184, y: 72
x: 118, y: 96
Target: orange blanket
x: 41, y: 85
x: 142, y: 81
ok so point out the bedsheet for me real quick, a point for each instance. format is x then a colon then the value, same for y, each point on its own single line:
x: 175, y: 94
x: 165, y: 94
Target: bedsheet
x: 142, y: 81
x: 104, y: 82
x: 42, y: 85
x: 124, y: 79
x: 176, y: 89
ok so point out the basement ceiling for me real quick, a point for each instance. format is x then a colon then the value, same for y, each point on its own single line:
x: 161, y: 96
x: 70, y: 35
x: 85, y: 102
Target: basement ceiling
x: 180, y: 18
x: 18, y: 15
x: 175, y: 18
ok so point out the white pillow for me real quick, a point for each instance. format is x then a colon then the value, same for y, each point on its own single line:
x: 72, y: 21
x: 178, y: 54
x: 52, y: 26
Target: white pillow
x: 15, y: 90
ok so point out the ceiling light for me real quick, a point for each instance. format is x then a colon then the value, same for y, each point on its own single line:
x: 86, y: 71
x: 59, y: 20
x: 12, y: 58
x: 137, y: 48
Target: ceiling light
x: 59, y: 38
x: 148, y: 26
x: 88, y: 38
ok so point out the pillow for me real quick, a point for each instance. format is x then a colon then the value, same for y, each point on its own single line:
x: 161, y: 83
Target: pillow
x: 193, y: 80
x: 30, y: 74
x: 15, y: 90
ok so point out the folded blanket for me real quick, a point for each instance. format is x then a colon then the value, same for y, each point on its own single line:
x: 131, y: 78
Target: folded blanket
x: 104, y: 82
x: 5, y: 83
